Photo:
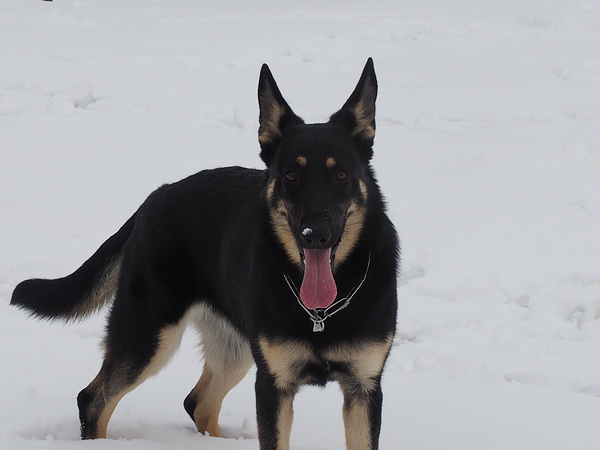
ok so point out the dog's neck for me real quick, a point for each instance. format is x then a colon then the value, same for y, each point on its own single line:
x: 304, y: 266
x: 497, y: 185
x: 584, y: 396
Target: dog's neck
x: 319, y: 315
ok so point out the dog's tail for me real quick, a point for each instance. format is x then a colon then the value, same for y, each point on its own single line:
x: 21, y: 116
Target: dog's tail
x: 82, y: 293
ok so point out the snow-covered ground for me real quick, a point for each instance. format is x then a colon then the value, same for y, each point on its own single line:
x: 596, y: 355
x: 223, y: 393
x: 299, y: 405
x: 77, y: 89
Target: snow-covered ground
x: 488, y: 150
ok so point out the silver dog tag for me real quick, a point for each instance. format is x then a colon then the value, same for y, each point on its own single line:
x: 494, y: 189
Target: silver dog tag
x: 318, y: 325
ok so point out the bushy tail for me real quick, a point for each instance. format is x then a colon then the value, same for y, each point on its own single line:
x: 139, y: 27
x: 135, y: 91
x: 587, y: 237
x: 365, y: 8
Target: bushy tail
x: 84, y: 291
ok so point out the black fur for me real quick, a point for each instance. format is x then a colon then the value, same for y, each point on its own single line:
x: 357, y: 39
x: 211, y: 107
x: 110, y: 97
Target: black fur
x: 212, y: 240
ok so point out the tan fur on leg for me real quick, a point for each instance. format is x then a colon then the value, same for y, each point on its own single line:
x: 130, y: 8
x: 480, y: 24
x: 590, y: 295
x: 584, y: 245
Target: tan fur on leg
x: 356, y: 424
x: 209, y: 393
x: 227, y: 359
x: 111, y: 384
x: 284, y: 422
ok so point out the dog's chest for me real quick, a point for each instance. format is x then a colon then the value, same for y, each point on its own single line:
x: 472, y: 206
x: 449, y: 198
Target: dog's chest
x: 294, y: 363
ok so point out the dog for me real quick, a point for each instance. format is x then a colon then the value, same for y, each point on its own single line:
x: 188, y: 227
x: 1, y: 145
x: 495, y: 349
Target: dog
x: 292, y: 268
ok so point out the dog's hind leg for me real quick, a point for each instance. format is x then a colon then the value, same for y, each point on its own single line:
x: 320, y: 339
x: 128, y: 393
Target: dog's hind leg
x: 134, y: 351
x: 203, y: 403
x: 227, y: 359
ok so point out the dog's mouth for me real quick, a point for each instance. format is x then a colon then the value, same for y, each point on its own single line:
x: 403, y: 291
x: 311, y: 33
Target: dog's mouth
x: 318, y: 289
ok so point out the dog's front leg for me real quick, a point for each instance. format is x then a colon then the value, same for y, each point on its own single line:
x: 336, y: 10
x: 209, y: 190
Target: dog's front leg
x: 362, y: 414
x: 274, y: 413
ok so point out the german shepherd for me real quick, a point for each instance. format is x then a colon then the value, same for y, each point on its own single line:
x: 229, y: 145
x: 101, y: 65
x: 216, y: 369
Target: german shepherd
x: 292, y: 268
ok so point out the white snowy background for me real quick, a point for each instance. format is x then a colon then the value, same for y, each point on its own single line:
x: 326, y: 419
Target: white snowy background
x: 488, y: 151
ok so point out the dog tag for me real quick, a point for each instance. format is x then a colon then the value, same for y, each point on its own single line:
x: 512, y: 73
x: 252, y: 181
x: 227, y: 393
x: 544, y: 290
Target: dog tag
x: 318, y: 325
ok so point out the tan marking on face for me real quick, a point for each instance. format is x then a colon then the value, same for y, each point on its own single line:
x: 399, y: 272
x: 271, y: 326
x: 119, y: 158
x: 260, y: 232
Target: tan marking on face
x: 301, y: 160
x: 281, y: 227
x: 331, y: 162
x: 363, y: 190
x: 284, y: 360
x: 355, y: 219
x: 271, y: 191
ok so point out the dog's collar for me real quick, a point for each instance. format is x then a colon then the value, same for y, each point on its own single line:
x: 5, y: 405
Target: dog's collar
x: 319, y: 315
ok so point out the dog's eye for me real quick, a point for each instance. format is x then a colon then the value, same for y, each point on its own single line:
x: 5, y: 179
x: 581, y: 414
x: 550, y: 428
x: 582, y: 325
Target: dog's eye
x: 341, y: 175
x: 290, y: 175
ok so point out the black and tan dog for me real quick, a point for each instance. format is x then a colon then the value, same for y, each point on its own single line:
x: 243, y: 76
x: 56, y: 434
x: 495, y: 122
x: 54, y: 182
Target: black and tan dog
x: 226, y: 250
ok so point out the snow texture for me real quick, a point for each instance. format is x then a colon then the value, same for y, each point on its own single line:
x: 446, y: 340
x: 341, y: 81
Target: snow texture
x: 487, y: 149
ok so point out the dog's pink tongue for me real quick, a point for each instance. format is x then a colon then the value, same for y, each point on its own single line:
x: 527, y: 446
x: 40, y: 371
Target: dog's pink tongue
x: 318, y: 288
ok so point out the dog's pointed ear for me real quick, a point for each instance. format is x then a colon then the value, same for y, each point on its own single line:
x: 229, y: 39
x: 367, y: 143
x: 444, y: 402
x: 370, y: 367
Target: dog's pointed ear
x: 358, y: 113
x: 275, y: 115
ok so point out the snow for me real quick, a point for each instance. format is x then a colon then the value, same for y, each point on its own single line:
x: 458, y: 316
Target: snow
x: 487, y: 148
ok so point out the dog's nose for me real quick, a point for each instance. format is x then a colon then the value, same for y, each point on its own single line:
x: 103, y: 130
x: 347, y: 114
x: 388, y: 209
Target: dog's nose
x: 316, y: 237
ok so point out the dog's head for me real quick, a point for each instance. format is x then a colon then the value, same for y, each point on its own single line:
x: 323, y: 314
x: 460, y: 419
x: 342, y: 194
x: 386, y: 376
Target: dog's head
x: 317, y: 190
